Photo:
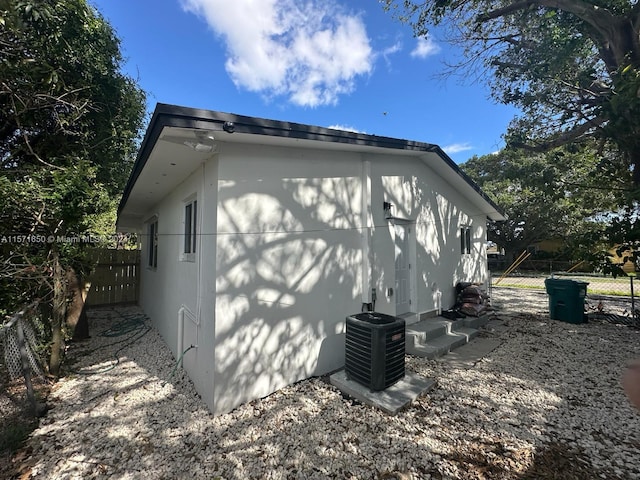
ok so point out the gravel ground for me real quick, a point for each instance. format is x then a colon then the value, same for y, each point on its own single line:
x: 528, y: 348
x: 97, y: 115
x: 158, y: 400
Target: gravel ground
x: 547, y: 403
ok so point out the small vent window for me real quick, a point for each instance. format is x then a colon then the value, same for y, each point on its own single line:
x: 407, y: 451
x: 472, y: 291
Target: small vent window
x: 465, y: 240
x: 152, y: 231
x: 190, y: 227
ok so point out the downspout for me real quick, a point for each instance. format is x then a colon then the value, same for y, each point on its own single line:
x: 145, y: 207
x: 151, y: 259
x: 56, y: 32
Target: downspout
x: 200, y: 247
x: 182, y: 308
x: 180, y: 331
x: 365, y: 221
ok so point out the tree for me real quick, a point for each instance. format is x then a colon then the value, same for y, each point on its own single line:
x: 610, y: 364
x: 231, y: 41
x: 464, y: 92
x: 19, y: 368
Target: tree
x: 69, y: 126
x: 571, y: 66
x: 558, y: 194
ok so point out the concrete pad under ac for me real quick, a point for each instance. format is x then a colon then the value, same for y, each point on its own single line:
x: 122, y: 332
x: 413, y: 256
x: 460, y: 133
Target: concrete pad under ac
x: 392, y: 399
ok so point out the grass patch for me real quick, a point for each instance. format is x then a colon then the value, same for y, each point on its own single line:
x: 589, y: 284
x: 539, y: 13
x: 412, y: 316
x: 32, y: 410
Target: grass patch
x: 518, y: 285
x: 611, y: 293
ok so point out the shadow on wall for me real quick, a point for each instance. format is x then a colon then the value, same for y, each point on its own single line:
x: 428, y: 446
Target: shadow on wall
x: 439, y: 261
x: 289, y: 271
x: 289, y: 265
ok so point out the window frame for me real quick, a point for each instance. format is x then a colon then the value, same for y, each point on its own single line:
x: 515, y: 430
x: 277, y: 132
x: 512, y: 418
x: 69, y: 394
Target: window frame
x: 152, y: 232
x: 465, y: 240
x: 190, y: 230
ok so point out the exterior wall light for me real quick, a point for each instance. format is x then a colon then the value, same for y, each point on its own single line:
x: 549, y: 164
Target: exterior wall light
x: 387, y: 209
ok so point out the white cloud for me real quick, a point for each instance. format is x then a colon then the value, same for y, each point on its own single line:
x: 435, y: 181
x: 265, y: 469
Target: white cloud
x: 310, y: 51
x: 395, y: 48
x: 425, y: 47
x: 389, y: 51
x: 346, y: 128
x: 456, y: 148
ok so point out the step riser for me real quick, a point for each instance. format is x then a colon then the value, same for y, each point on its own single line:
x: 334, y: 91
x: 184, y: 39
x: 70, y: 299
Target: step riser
x: 431, y: 339
x: 446, y: 340
x: 429, y: 329
x: 431, y: 334
x: 476, y: 322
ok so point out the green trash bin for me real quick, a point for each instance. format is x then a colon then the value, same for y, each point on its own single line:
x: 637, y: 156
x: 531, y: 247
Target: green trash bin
x: 566, y: 299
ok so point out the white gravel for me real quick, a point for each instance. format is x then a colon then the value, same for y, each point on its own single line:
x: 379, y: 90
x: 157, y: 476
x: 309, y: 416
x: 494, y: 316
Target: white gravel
x: 549, y: 398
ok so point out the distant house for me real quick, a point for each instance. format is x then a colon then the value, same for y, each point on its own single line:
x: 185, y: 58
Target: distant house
x: 624, y: 259
x: 261, y: 236
x: 549, y: 245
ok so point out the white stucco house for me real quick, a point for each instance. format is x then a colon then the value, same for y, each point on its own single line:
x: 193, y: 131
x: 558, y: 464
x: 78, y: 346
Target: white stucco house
x: 259, y: 237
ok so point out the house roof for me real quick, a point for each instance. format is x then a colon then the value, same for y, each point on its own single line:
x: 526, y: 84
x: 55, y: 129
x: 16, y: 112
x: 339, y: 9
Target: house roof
x: 156, y: 171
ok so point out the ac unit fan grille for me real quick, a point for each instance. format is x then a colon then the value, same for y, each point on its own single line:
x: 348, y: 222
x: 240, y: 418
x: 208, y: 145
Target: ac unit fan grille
x: 374, y: 353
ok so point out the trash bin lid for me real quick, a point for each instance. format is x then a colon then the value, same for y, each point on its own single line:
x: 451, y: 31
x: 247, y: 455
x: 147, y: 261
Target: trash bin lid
x: 374, y: 317
x: 564, y: 282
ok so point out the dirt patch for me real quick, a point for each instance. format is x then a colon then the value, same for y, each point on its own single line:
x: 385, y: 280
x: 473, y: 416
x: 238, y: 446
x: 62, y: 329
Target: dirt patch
x: 554, y: 461
x: 16, y: 420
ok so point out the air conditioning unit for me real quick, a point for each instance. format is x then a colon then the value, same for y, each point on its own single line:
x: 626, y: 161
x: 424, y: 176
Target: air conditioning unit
x: 374, y: 349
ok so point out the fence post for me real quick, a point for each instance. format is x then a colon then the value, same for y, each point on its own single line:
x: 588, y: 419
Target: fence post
x: 490, y: 286
x: 633, y: 301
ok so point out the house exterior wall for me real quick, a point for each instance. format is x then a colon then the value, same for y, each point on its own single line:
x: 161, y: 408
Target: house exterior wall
x: 288, y: 267
x: 180, y: 292
x: 282, y: 258
x: 290, y: 257
x: 436, y: 212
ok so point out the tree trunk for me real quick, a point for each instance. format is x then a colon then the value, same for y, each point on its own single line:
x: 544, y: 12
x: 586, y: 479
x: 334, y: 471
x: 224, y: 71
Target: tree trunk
x: 512, y: 254
x: 635, y: 162
x: 59, y: 304
x: 76, y: 313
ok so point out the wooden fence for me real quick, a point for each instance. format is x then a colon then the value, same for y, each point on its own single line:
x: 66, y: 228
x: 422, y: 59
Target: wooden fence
x: 116, y: 278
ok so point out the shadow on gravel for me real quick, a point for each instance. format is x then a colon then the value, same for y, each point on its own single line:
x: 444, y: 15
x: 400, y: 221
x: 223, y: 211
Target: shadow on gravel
x: 16, y: 420
x: 554, y: 461
x: 553, y: 399
x: 137, y: 420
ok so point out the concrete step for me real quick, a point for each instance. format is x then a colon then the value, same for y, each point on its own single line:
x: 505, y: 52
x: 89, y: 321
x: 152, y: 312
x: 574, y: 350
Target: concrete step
x: 424, y: 331
x: 433, y: 328
x: 436, y: 337
x: 436, y: 347
x: 476, y: 322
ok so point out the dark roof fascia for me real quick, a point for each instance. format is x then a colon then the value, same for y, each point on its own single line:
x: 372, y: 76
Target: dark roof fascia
x: 166, y: 115
x: 449, y: 161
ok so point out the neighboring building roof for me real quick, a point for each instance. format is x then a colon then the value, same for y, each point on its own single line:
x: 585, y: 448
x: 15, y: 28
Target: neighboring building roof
x: 150, y: 179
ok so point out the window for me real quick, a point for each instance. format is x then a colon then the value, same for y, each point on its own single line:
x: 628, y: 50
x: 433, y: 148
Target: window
x: 190, y: 216
x: 153, y: 243
x: 465, y: 240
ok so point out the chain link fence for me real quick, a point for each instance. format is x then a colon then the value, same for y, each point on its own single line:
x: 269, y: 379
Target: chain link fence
x: 598, y: 284
x: 613, y: 299
x: 19, y: 345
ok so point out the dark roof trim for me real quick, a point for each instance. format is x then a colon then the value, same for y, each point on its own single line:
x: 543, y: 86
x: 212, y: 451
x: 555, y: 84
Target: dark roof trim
x: 166, y: 115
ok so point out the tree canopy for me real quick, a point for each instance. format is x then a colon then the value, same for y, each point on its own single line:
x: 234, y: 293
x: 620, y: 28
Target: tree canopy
x: 554, y: 195
x: 69, y: 126
x: 571, y: 66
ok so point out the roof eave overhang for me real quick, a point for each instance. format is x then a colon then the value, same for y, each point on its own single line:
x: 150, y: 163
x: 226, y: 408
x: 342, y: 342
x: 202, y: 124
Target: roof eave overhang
x: 189, y: 118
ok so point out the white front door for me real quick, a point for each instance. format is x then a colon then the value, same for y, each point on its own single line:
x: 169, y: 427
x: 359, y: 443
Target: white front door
x: 403, y: 269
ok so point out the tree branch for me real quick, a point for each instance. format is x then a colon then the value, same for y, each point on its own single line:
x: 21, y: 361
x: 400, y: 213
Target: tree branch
x: 501, y: 12
x: 635, y: 16
x: 572, y: 135
x: 25, y: 137
x: 599, y: 18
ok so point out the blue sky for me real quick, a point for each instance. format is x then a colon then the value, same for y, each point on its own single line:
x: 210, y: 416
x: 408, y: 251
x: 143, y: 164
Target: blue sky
x: 332, y: 63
